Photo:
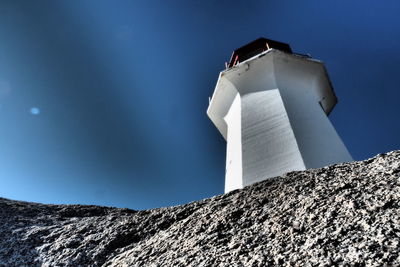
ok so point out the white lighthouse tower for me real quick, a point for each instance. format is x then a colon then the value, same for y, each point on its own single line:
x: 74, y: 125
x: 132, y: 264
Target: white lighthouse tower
x: 271, y: 106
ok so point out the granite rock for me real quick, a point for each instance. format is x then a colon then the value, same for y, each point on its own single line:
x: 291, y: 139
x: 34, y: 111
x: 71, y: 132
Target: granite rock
x: 344, y: 214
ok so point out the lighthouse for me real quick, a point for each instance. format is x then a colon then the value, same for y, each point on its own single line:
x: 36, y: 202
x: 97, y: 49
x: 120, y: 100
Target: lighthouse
x: 271, y: 106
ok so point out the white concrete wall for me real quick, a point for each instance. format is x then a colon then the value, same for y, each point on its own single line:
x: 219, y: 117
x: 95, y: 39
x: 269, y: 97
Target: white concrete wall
x: 233, y: 171
x: 268, y: 142
x: 317, y: 139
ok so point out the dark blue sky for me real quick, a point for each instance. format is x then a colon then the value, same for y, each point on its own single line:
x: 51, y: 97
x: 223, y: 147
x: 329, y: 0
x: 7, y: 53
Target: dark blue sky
x: 104, y: 102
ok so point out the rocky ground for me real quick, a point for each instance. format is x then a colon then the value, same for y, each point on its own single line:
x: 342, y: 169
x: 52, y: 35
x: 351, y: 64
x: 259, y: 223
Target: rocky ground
x: 345, y: 214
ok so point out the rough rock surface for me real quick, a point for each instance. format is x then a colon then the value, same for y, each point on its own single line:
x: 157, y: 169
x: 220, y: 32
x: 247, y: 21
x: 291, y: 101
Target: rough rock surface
x: 346, y: 214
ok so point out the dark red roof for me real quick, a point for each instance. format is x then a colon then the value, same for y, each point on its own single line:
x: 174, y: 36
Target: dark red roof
x: 256, y: 47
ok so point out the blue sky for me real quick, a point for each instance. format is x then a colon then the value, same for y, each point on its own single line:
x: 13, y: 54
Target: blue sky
x: 104, y: 102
